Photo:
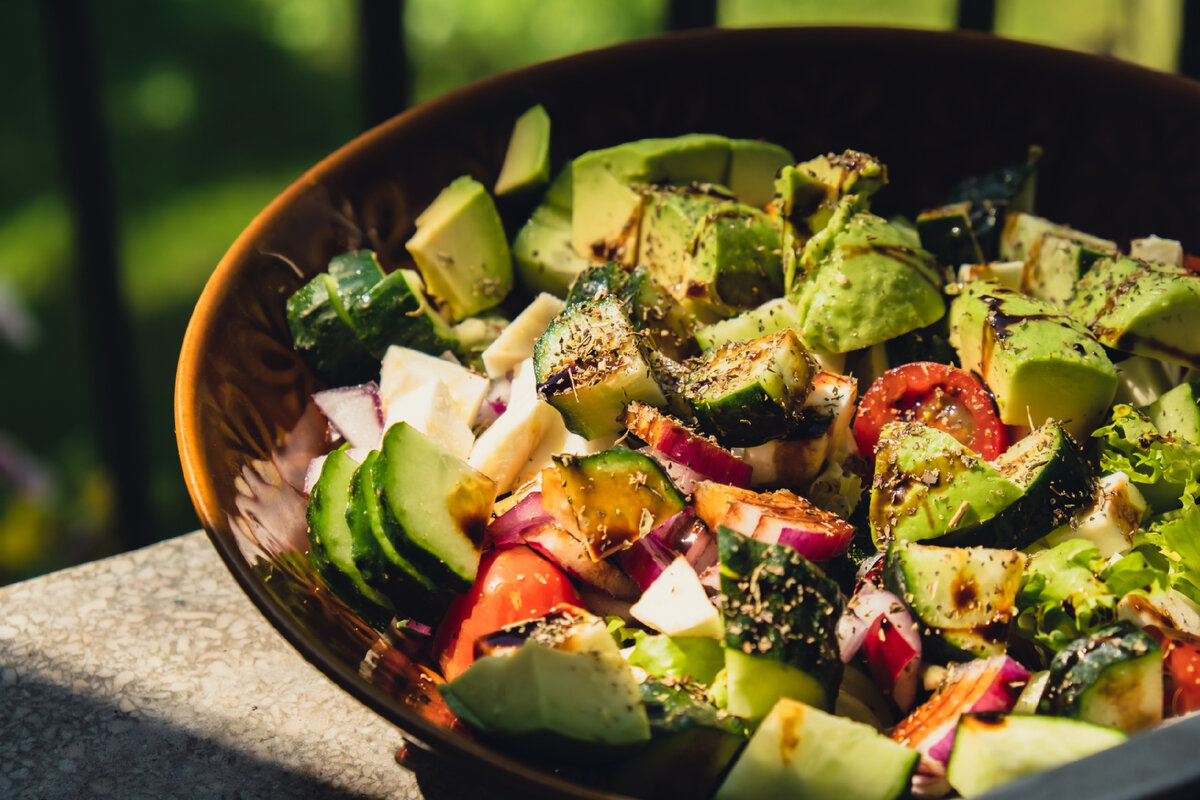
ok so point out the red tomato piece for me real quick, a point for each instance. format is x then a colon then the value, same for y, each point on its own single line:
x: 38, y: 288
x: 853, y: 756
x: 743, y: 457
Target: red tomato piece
x: 938, y: 395
x: 1181, y: 670
x: 513, y: 584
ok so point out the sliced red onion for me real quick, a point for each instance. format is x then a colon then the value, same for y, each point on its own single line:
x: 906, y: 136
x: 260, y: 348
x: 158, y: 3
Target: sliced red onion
x: 817, y: 536
x: 699, y: 455
x: 685, y: 478
x: 710, y: 579
x: 645, y: 560
x: 743, y: 517
x: 675, y: 529
x: 702, y: 552
x: 508, y: 529
x: 878, y: 623
x: 354, y: 412
x: 313, y: 473
x: 984, y: 684
x: 893, y: 660
x: 572, y: 557
x: 411, y: 626
x: 494, y: 402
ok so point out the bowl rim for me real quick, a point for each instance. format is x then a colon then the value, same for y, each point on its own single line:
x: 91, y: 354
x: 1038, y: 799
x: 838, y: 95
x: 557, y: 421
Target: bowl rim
x: 218, y: 286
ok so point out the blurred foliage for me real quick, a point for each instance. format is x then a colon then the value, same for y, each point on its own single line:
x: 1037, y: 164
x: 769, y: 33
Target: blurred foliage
x: 214, y: 107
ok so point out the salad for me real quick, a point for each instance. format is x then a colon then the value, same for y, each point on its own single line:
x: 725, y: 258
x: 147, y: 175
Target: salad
x: 713, y: 477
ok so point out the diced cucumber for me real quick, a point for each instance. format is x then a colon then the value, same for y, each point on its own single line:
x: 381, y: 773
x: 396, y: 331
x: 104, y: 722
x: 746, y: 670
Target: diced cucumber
x: 691, y: 747
x: 1113, y: 677
x: 802, y: 753
x: 589, y: 365
x: 946, y: 232
x: 964, y: 596
x: 781, y: 616
x: 613, y: 497
x: 324, y: 337
x: 771, y: 317
x: 394, y: 311
x: 331, y: 543
x: 434, y: 506
x: 1056, y: 481
x: 749, y: 392
x: 992, y: 749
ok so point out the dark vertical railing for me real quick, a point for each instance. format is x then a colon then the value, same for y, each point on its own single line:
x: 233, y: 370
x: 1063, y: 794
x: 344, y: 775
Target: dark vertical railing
x: 1189, y: 45
x: 977, y: 15
x: 686, y: 14
x: 385, y: 75
x: 108, y: 342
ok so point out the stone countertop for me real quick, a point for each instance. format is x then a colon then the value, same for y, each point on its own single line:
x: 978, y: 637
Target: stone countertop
x: 151, y: 674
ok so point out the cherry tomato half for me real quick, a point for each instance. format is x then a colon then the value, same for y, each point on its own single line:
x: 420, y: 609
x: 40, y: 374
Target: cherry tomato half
x: 1181, y: 669
x: 512, y: 584
x: 940, y: 396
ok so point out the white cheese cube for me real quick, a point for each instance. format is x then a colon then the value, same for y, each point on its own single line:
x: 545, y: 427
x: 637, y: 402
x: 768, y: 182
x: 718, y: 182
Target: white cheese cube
x: 515, y: 343
x: 502, y: 451
x: 404, y: 369
x: 430, y: 408
x: 677, y: 605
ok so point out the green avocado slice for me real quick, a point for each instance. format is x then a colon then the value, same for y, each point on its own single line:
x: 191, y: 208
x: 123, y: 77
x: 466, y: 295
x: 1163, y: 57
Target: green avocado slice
x: 929, y: 486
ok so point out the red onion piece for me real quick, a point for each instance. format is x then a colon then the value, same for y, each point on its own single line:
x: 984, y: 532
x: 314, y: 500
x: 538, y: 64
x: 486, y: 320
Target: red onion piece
x: 685, y: 478
x: 312, y: 474
x: 878, y: 623
x: 706, y: 458
x: 893, y: 661
x: 571, y: 556
x: 645, y: 560
x: 814, y: 538
x: 354, y: 412
x: 985, y: 684
x: 508, y: 528
x: 702, y: 552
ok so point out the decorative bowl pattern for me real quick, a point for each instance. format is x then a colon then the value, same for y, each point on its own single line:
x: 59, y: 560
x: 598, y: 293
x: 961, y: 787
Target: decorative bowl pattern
x: 1120, y: 160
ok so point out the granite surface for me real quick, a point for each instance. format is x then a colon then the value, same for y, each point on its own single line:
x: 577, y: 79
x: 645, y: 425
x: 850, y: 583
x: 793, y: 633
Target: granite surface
x: 152, y: 675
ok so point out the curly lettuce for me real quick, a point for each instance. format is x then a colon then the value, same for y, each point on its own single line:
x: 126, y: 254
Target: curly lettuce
x: 1167, y: 471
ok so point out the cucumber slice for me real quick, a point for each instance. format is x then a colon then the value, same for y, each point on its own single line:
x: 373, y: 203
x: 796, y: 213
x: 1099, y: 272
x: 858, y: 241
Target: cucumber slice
x: 394, y: 311
x: 964, y: 596
x: 589, y: 365
x: 331, y: 543
x: 771, y: 317
x: 993, y: 749
x: 324, y: 337
x: 803, y: 753
x: 434, y: 506
x: 750, y: 392
x: 1056, y: 481
x: 1113, y: 677
x: 374, y: 553
x: 776, y: 645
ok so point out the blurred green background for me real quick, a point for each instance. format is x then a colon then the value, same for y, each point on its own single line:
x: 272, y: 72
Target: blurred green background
x: 212, y: 108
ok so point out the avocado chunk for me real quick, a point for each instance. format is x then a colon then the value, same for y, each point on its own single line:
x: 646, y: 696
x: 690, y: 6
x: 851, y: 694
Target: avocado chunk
x: 805, y: 753
x: 753, y: 166
x: 929, y: 486
x: 1141, y: 308
x: 606, y: 204
x: 1177, y: 412
x: 808, y: 194
x: 736, y: 260
x: 527, y: 160
x: 670, y: 215
x: 542, y: 254
x: 461, y: 249
x: 857, y: 283
x: 1055, y: 264
x: 583, y: 705
x: 1039, y: 362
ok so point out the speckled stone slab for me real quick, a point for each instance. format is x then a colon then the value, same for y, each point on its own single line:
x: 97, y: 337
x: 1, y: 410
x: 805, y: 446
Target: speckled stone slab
x: 151, y: 675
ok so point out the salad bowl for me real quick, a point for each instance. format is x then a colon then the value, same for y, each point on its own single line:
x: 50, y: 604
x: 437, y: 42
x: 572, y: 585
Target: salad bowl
x: 1120, y: 160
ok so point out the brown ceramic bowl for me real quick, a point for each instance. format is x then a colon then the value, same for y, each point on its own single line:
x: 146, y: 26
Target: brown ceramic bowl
x: 1121, y: 159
